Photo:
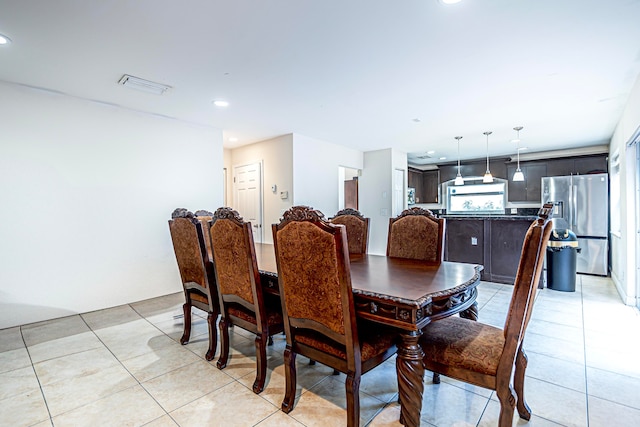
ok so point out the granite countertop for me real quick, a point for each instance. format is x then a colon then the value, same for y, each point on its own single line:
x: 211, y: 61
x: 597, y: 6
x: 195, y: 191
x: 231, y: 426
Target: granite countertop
x: 494, y: 217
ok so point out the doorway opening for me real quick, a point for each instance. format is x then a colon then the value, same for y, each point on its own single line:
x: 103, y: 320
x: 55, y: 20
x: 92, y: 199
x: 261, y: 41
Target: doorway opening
x: 348, y: 188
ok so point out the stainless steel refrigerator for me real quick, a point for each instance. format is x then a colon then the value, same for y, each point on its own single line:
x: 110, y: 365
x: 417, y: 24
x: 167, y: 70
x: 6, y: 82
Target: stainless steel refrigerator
x: 581, y: 204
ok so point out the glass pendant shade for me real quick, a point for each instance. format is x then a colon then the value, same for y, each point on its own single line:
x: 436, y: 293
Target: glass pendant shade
x: 518, y: 176
x: 488, y: 178
x: 459, y: 180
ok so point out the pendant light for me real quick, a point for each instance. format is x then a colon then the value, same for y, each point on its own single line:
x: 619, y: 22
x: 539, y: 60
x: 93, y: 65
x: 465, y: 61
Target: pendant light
x: 488, y: 178
x: 459, y: 180
x: 518, y: 176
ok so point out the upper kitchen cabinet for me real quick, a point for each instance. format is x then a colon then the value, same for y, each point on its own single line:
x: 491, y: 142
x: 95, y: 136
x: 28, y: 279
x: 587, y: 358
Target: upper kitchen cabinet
x: 427, y: 185
x: 591, y: 164
x: 529, y: 189
x: 577, y: 165
x: 560, y: 167
x: 475, y: 168
x: 415, y: 181
x: 431, y: 186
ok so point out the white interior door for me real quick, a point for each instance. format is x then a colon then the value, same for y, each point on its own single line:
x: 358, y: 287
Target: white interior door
x: 247, y: 183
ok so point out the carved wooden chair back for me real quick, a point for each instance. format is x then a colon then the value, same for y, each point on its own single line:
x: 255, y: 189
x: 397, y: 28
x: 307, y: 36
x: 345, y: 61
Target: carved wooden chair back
x: 318, y: 305
x: 484, y: 355
x: 357, y: 229
x: 242, y: 300
x: 204, y: 217
x: 196, y: 273
x: 416, y: 234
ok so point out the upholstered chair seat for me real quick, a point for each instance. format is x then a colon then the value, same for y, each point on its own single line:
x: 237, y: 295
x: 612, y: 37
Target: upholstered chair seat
x: 465, y: 344
x: 274, y: 317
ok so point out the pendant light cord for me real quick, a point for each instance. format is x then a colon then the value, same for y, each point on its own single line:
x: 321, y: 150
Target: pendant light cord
x: 458, y: 138
x: 488, y: 133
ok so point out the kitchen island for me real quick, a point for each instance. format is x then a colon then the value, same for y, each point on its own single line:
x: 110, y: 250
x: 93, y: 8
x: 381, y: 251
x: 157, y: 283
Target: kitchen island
x: 494, y: 241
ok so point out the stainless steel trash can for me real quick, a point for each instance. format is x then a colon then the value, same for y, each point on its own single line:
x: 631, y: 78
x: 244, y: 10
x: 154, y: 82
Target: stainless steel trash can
x: 562, y: 251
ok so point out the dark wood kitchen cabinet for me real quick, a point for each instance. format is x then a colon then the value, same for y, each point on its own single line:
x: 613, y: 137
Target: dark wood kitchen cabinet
x: 464, y: 240
x: 494, y: 242
x: 506, y: 237
x: 430, y: 186
x: 529, y: 189
x: 476, y: 168
x: 415, y: 181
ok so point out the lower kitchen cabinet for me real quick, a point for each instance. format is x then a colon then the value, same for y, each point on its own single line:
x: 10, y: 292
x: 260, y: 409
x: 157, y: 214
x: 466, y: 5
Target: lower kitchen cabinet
x: 506, y: 239
x: 494, y: 242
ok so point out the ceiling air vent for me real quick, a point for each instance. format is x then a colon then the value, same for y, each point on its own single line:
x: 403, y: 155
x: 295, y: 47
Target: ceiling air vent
x: 143, y: 85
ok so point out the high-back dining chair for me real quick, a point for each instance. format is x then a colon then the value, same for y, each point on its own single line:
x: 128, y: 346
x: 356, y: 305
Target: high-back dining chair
x: 357, y: 229
x: 484, y: 355
x: 196, y: 273
x: 242, y: 301
x: 416, y: 234
x: 317, y: 302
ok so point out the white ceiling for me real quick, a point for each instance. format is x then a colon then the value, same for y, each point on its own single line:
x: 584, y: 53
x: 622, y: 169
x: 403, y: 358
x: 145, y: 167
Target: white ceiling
x: 356, y: 73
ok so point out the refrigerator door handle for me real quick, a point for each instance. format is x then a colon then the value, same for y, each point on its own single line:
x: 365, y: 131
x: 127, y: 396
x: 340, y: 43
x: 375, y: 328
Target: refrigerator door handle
x: 574, y: 205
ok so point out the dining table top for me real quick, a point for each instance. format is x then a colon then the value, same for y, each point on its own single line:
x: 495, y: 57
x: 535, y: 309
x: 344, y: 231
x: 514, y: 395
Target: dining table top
x: 405, y: 281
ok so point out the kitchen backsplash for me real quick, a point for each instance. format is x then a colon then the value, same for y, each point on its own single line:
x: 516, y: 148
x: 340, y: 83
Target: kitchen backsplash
x: 508, y: 212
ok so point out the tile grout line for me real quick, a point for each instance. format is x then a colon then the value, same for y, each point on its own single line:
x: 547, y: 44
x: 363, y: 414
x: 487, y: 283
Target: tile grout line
x: 44, y: 398
x: 584, y: 348
x: 186, y: 348
x: 125, y: 368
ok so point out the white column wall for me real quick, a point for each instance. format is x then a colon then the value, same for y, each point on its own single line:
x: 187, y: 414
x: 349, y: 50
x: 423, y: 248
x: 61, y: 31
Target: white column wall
x: 87, y: 191
x: 624, y: 267
x: 316, y: 172
x: 376, y: 190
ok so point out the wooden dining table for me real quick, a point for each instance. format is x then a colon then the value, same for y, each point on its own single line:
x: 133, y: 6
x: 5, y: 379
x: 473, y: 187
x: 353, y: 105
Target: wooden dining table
x: 406, y: 294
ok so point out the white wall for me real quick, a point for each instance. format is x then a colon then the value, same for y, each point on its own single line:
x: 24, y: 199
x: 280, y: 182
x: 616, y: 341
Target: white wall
x: 623, y: 246
x: 276, y: 156
x: 87, y: 191
x: 376, y: 187
x: 316, y: 172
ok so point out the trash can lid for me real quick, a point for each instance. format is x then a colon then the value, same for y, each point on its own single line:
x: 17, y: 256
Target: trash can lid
x: 562, y: 238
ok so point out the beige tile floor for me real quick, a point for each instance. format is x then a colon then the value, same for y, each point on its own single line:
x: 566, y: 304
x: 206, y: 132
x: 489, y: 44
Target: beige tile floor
x: 124, y: 367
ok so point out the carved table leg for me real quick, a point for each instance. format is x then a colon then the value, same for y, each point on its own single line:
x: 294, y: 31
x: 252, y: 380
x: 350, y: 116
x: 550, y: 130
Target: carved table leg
x: 470, y: 313
x: 410, y: 373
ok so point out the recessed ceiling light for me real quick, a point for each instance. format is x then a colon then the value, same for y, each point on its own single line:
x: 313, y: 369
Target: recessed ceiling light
x: 443, y: 158
x: 220, y: 103
x: 4, y: 39
x: 431, y: 151
x: 450, y: 1
x: 233, y: 139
